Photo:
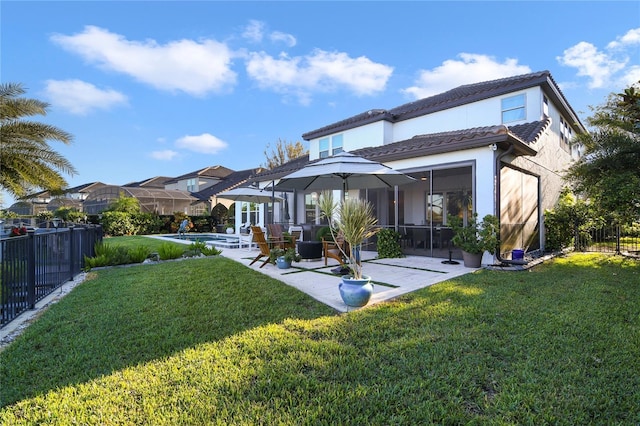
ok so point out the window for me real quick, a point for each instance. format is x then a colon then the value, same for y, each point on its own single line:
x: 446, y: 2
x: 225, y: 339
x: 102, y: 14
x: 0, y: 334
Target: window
x: 336, y: 144
x: 310, y: 201
x: 565, y: 135
x: 191, y: 185
x: 330, y: 146
x: 250, y: 213
x: 513, y: 108
x: 435, y: 209
x: 545, y: 106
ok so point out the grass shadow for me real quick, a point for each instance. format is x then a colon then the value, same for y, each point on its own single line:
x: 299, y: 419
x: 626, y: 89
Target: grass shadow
x: 125, y: 316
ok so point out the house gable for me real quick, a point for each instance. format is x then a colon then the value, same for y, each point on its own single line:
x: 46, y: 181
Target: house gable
x: 465, y: 107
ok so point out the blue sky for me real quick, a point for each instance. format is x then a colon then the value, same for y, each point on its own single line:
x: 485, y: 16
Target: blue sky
x: 163, y: 88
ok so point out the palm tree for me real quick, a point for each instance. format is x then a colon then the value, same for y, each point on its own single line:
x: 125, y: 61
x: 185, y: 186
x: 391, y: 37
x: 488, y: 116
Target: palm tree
x: 26, y: 159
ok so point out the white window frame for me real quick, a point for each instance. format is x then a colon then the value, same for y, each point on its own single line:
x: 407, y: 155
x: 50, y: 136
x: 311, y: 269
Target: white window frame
x: 333, y: 145
x: 513, y: 108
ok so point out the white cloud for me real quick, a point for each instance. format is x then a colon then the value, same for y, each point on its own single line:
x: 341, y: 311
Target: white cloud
x: 592, y: 63
x: 280, y: 37
x: 609, y: 68
x: 470, y: 68
x: 196, y: 68
x: 254, y: 31
x: 629, y: 39
x: 204, y: 143
x: 80, y: 98
x: 164, y: 155
x: 320, y: 71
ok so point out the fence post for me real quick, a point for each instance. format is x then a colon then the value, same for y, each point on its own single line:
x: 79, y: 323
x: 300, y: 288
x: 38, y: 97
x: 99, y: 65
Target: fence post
x: 72, y: 264
x: 31, y: 269
x: 618, y: 239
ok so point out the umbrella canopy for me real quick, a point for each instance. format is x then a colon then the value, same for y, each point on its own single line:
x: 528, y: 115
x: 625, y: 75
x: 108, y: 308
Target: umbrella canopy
x: 251, y: 195
x: 343, y: 171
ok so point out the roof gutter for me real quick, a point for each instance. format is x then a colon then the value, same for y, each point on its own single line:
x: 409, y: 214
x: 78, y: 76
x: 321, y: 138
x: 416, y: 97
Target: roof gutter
x: 498, y: 164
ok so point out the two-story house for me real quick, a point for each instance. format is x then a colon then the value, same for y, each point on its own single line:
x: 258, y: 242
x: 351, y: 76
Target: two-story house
x: 496, y: 147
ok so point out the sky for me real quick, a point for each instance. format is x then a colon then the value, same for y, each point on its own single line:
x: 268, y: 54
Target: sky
x: 164, y: 88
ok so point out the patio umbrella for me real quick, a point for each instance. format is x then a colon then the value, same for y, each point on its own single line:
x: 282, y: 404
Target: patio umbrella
x: 251, y: 195
x: 287, y: 216
x: 343, y: 171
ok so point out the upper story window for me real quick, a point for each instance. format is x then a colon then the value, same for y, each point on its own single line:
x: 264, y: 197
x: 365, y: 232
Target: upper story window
x: 566, y: 134
x: 191, y: 185
x: 513, y: 108
x: 545, y: 106
x: 330, y: 146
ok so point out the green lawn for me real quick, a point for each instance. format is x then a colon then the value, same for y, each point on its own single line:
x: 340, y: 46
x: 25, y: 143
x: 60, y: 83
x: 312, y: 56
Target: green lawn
x: 209, y: 341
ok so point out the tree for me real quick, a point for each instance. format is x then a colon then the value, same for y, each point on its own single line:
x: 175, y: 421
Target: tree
x: 125, y: 204
x: 26, y: 158
x: 283, y: 152
x: 609, y: 171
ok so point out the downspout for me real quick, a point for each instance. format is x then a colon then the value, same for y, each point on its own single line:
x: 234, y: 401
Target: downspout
x: 498, y: 164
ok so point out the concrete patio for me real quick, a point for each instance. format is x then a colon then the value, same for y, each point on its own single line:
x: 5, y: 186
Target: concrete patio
x: 391, y: 277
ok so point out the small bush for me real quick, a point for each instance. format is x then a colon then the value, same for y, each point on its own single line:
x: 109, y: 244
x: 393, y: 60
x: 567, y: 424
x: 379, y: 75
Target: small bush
x: 389, y: 244
x: 199, y: 247
x: 168, y: 251
x: 95, y: 262
x: 139, y: 254
x: 107, y: 255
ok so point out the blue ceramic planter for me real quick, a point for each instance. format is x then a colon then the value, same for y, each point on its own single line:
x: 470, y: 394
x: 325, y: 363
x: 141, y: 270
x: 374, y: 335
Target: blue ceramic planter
x: 356, y: 293
x: 282, y: 264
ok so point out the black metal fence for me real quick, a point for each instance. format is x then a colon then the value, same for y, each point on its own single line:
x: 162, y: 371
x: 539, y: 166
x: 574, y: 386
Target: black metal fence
x: 609, y: 239
x: 34, y: 265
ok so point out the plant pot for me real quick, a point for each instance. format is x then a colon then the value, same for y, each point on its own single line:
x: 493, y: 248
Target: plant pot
x: 229, y: 230
x: 472, y: 260
x: 356, y: 293
x: 281, y: 263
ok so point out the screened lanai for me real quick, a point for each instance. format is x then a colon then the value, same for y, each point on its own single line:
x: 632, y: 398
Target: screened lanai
x: 420, y: 213
x: 152, y: 200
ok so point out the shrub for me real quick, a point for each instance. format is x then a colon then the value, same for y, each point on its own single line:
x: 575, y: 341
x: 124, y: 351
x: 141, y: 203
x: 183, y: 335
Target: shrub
x: 139, y: 254
x: 118, y: 224
x: 389, y: 244
x: 570, y: 217
x: 95, y: 262
x: 169, y: 251
x: 107, y: 255
x: 146, y: 223
x: 199, y: 247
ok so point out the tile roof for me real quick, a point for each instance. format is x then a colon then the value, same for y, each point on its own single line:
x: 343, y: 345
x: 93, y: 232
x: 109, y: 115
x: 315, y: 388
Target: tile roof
x: 452, y: 98
x: 231, y: 181
x: 521, y: 135
x: 212, y: 172
x: 154, y: 182
x: 284, y: 169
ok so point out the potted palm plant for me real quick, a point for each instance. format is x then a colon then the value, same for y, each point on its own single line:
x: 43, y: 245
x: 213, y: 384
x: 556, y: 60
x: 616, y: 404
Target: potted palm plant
x: 475, y: 237
x: 355, y: 221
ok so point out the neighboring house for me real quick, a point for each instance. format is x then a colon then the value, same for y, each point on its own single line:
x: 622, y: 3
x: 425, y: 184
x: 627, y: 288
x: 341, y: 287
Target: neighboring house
x: 192, y: 193
x: 209, y: 195
x: 497, y: 147
x: 43, y: 201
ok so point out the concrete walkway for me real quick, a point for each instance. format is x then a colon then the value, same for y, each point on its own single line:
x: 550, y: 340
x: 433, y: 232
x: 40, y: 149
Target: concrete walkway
x: 391, y: 277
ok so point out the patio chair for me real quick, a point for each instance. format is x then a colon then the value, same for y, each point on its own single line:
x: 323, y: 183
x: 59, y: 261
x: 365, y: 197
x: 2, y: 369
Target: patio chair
x: 276, y: 233
x: 263, y: 245
x: 246, y: 239
x: 331, y: 249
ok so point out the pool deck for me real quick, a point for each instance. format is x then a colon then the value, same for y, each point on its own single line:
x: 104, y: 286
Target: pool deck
x: 223, y: 241
x: 391, y: 277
